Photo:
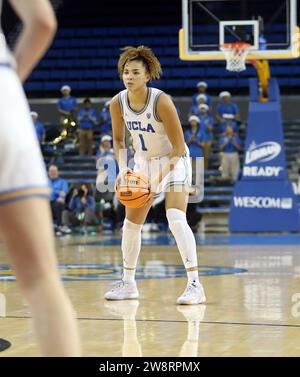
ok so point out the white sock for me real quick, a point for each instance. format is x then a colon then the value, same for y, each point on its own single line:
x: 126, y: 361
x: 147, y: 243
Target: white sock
x: 131, y: 246
x: 193, y: 276
x: 185, y: 240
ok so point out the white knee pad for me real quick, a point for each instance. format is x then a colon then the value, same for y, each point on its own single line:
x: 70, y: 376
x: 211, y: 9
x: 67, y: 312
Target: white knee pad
x: 129, y: 225
x: 174, y: 216
x: 183, y: 235
x: 131, y: 242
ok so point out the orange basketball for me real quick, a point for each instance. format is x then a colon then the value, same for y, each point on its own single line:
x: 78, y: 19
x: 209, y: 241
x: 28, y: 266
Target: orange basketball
x: 134, y: 190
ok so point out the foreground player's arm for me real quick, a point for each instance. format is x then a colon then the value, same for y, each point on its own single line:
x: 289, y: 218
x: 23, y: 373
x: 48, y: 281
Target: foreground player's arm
x: 118, y: 130
x: 39, y: 26
x: 167, y: 113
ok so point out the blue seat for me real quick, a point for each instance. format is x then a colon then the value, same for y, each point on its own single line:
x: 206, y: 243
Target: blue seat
x: 40, y: 75
x: 93, y: 74
x: 215, y: 72
x: 66, y: 32
x: 66, y: 63
x: 76, y: 74
x: 54, y: 53
x: 83, y: 32
x: 87, y: 85
x: 280, y: 70
x: 190, y: 83
x: 104, y: 84
x: 213, y: 83
x: 175, y: 84
x: 48, y: 63
x: 295, y: 81
x: 77, y: 43
x: 53, y: 85
x: 284, y: 81
x: 33, y: 86
x: 59, y: 43
x: 54, y: 75
x: 71, y: 53
x: 242, y: 83
x: 228, y: 83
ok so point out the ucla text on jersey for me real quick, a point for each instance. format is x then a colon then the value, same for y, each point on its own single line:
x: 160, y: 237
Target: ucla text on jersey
x: 137, y: 126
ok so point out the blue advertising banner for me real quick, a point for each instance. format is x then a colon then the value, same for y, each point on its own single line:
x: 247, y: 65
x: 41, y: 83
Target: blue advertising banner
x: 263, y: 206
x: 263, y: 199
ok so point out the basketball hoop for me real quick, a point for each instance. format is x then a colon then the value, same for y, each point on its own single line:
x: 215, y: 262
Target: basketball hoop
x: 235, y: 54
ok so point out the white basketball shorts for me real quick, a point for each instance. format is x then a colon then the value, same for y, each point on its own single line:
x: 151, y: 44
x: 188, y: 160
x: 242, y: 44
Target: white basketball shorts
x: 180, y: 176
x: 22, y: 170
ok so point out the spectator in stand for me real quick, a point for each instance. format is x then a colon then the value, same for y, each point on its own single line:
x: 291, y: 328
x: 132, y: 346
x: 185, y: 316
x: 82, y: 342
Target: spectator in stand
x: 195, y: 109
x: 81, y: 209
x: 227, y: 110
x: 194, y: 138
x: 202, y: 87
x: 67, y: 107
x: 206, y: 126
x: 59, y: 189
x: 230, y: 145
x: 87, y: 119
x: 107, y: 169
x: 39, y: 127
x: 105, y: 120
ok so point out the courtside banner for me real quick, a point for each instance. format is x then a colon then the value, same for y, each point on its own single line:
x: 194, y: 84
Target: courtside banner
x: 263, y: 199
x: 266, y: 206
x: 264, y: 157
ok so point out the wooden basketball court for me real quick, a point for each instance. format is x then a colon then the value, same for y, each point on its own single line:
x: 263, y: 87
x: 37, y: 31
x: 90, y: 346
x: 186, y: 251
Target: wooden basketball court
x: 252, y: 287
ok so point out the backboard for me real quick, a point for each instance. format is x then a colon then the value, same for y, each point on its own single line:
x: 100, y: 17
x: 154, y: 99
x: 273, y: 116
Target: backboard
x: 269, y: 26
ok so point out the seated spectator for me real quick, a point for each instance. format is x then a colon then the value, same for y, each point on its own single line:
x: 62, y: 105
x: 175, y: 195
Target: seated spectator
x: 194, y: 138
x: 202, y: 87
x: 81, y: 209
x: 195, y: 109
x: 67, y: 107
x: 107, y: 170
x: 206, y: 125
x: 230, y: 145
x: 59, y: 190
x: 72, y: 192
x: 227, y: 110
x: 39, y: 127
x: 105, y: 120
x: 87, y: 119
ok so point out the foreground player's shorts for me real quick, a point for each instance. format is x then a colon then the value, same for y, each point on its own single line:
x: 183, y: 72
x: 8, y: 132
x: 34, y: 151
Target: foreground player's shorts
x: 22, y: 170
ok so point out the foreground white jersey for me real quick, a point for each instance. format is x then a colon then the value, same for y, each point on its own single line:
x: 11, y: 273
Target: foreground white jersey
x: 147, y: 131
x: 5, y: 55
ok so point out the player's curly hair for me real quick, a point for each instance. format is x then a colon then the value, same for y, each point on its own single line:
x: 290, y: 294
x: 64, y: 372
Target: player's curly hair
x: 143, y: 54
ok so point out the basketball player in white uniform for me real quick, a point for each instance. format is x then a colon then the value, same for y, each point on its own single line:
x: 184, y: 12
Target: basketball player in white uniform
x: 152, y: 120
x: 25, y: 220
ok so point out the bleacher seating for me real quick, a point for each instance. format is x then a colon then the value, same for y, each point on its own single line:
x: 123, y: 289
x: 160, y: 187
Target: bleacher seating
x: 86, y: 58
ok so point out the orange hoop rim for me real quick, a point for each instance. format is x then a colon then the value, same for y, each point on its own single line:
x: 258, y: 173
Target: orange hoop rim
x: 235, y: 46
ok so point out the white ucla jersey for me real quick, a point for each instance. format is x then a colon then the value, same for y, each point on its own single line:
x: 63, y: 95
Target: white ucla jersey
x: 5, y: 55
x: 147, y: 131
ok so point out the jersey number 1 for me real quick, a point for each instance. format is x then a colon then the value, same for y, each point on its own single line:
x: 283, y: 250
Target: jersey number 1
x: 143, y: 142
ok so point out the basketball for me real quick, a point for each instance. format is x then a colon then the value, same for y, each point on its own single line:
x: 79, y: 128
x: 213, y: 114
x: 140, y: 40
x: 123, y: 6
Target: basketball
x: 134, y: 190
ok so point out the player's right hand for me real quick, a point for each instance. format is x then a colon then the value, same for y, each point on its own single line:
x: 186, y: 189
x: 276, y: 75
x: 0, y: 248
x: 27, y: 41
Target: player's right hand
x: 122, y: 174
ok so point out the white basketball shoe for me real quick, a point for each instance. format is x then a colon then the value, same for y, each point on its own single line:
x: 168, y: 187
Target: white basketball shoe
x: 193, y: 295
x: 122, y: 291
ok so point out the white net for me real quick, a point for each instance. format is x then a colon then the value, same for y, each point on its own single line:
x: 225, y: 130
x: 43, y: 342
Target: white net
x: 235, y: 54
